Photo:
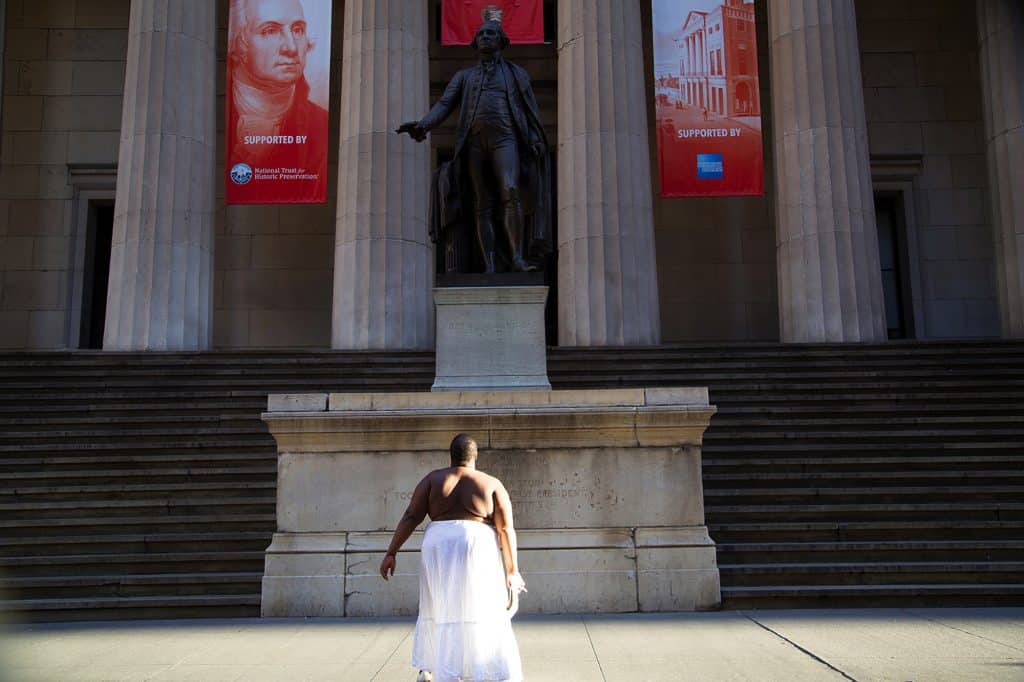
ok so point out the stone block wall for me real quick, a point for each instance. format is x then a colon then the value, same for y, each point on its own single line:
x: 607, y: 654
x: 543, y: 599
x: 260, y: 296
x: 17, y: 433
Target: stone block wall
x: 63, y: 78
x: 922, y: 95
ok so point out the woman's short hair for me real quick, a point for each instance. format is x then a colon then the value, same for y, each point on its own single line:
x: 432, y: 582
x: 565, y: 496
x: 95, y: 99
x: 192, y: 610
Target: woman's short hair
x: 462, y: 449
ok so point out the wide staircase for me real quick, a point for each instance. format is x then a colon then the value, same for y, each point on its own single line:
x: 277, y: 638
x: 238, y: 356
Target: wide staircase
x: 142, y: 485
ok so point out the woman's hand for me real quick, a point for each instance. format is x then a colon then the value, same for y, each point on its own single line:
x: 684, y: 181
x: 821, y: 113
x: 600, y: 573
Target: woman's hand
x: 515, y: 582
x: 387, y: 567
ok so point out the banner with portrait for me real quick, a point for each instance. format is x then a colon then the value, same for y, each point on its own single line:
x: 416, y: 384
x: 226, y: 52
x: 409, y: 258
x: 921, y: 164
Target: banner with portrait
x: 522, y: 20
x: 279, y: 61
x: 707, y: 98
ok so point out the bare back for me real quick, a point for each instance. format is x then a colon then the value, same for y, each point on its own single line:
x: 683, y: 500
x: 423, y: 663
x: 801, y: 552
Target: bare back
x: 461, y: 493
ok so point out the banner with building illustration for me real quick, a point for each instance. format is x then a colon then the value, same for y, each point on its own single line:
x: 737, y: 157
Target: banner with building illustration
x: 707, y: 98
x: 522, y: 20
x: 278, y: 79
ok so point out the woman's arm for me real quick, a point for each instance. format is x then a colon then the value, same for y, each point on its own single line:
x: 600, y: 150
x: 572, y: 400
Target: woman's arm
x: 507, y: 536
x: 412, y: 517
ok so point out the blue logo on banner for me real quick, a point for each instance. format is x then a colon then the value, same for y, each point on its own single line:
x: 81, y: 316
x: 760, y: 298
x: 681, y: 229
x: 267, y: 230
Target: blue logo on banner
x: 241, y: 174
x: 710, y: 167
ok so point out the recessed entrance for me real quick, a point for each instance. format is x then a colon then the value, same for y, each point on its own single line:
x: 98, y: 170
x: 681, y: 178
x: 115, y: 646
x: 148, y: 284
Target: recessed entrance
x: 96, y: 273
x: 892, y: 254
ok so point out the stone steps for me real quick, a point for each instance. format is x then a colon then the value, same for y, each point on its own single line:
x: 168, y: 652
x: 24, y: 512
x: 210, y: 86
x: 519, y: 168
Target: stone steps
x: 133, y: 608
x: 784, y: 533
x: 184, y: 507
x: 852, y: 551
x: 198, y: 490
x: 38, y: 566
x: 63, y: 477
x: 838, y: 573
x: 162, y: 455
x: 129, y: 586
x: 967, y: 594
x: 864, y: 511
x: 855, y: 495
x: 799, y: 462
x: 55, y: 543
x: 870, y: 479
x: 265, y: 520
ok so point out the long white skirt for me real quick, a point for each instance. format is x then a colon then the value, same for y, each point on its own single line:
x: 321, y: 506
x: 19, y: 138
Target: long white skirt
x: 464, y: 631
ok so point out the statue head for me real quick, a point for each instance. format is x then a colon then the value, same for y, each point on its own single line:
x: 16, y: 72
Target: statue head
x: 490, y: 38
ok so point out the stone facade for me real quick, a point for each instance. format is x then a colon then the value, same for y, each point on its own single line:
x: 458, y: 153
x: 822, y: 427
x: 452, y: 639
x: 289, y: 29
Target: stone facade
x: 716, y: 266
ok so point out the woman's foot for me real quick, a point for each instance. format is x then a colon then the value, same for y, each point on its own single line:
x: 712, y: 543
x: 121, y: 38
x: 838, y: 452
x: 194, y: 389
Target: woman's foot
x: 425, y: 676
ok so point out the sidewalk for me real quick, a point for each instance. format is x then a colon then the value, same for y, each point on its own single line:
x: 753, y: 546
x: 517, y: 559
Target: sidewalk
x: 869, y: 644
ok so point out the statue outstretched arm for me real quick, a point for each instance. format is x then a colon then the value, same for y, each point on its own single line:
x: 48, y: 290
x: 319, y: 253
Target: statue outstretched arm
x: 449, y: 101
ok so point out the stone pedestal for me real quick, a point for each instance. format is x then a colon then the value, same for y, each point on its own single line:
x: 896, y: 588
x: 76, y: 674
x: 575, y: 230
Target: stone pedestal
x: 605, y: 486
x: 1001, y: 47
x: 491, y: 338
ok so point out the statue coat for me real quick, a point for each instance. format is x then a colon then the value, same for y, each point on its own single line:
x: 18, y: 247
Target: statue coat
x: 450, y: 205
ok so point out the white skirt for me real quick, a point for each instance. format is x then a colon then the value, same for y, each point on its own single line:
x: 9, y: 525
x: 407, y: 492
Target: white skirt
x: 464, y: 630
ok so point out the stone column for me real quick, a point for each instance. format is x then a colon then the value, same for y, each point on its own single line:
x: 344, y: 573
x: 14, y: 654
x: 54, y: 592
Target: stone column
x: 162, y: 254
x: 830, y: 283
x: 383, y: 258
x: 607, y: 275
x: 1001, y: 37
x: 3, y: 36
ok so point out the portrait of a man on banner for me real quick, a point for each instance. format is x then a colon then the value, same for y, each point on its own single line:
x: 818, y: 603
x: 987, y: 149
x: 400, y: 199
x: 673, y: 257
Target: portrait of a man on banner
x: 277, y: 99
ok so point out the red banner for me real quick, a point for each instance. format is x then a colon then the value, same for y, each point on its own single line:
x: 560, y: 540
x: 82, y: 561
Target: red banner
x: 707, y: 98
x: 279, y: 59
x: 522, y: 20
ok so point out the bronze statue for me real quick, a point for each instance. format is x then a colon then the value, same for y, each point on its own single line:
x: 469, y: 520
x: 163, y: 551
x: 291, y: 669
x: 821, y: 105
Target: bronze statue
x: 500, y: 155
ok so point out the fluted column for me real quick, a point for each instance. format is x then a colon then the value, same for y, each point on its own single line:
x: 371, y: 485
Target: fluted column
x: 830, y: 285
x: 383, y: 260
x: 159, y: 296
x: 607, y: 275
x: 1001, y: 37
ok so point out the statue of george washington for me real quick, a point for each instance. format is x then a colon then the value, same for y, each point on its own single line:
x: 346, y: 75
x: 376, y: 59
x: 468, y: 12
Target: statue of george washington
x: 500, y: 156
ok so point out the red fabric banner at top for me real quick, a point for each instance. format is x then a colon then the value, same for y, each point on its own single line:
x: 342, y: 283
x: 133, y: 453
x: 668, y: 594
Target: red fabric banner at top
x: 523, y: 20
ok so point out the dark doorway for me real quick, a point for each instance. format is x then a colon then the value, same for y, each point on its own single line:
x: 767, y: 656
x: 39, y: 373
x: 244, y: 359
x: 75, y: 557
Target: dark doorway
x: 99, y: 235
x: 892, y: 252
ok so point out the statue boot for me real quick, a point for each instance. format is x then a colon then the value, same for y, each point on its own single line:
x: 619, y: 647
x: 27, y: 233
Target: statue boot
x: 485, y: 236
x: 514, y: 232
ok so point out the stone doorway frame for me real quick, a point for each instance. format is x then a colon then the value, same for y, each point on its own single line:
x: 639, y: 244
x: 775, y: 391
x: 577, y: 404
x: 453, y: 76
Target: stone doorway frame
x: 90, y: 184
x: 894, y: 176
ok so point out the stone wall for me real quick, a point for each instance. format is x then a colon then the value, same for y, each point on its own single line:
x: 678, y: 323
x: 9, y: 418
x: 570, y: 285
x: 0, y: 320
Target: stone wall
x: 63, y: 78
x: 922, y: 95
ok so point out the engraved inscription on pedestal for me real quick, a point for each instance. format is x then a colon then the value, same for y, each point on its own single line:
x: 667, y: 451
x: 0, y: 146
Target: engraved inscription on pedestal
x: 491, y: 338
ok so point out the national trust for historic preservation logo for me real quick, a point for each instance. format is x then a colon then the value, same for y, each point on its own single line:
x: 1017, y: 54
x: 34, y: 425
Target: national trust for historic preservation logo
x: 241, y: 174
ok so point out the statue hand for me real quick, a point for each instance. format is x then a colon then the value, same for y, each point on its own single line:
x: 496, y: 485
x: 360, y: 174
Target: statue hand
x: 414, y: 129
